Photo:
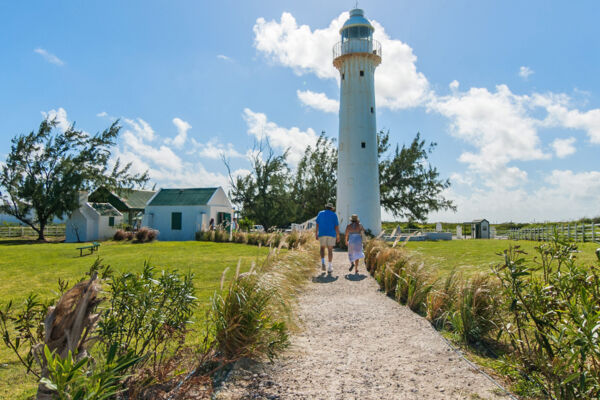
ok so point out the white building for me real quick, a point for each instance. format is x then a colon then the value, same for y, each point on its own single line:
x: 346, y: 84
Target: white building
x: 92, y: 221
x: 356, y: 57
x: 178, y: 214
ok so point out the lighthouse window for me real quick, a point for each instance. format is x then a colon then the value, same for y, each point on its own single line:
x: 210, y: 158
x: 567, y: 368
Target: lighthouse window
x: 362, y: 73
x: 343, y: 76
x: 363, y: 144
x: 371, y: 110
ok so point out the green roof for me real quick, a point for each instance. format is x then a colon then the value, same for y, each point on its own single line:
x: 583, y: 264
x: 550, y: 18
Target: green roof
x: 105, y: 209
x: 122, y: 199
x: 183, y: 197
x: 135, y: 199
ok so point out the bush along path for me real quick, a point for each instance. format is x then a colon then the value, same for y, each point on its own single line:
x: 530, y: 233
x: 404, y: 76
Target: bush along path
x: 355, y: 342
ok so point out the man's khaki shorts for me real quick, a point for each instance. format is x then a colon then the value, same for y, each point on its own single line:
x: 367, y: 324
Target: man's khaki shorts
x: 327, y: 241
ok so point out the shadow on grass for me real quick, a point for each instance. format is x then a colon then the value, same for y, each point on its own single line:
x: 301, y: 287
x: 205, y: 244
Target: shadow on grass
x: 355, y: 277
x: 17, y: 242
x: 324, y: 278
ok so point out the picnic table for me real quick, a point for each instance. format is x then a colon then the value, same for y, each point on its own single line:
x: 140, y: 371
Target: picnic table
x: 92, y: 247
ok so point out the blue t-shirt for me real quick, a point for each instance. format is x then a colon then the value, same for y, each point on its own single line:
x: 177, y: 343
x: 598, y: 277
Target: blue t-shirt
x: 327, y: 221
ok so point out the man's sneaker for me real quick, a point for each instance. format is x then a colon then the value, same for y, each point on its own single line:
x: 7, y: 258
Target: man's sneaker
x: 330, y: 270
x: 323, y: 267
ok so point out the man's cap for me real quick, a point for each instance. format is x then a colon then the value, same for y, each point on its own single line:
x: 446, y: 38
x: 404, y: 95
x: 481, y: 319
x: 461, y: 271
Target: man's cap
x: 329, y: 205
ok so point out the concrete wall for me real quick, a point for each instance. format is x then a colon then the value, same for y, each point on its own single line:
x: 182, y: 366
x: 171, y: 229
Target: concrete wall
x: 358, y: 171
x: 89, y: 225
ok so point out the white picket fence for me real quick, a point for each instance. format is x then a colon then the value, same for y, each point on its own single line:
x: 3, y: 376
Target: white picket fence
x: 26, y: 231
x: 574, y: 232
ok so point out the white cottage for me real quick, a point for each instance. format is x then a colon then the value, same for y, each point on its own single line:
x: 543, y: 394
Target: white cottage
x: 178, y: 214
x: 92, y: 221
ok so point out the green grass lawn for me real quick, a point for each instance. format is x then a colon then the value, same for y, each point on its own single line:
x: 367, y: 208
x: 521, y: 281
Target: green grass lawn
x: 479, y: 255
x: 35, y: 268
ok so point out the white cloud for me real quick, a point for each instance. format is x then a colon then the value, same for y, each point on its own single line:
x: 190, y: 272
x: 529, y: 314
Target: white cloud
x: 60, y: 116
x: 564, y: 147
x: 162, y: 156
x: 182, y: 128
x: 318, y: 101
x: 497, y: 124
x: 397, y: 83
x: 525, y: 72
x: 51, y: 58
x: 563, y: 196
x: 224, y: 57
x: 280, y: 138
x: 141, y: 128
x: 215, y: 150
x: 454, y: 85
x: 102, y: 114
x: 561, y: 115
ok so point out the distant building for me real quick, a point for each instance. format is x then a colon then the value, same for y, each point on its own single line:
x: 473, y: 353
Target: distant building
x: 92, y: 221
x: 131, y: 203
x: 480, y: 229
x: 178, y: 214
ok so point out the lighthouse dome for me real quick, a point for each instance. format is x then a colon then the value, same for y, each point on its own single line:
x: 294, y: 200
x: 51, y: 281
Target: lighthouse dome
x: 357, y: 19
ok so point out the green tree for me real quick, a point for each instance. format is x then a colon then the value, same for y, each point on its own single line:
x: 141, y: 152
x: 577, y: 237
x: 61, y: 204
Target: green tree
x: 314, y: 184
x: 45, y: 170
x: 410, y: 186
x: 264, y: 195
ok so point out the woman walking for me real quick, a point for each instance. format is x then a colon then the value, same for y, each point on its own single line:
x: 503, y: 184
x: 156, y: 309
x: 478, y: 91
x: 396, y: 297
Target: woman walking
x: 354, y: 232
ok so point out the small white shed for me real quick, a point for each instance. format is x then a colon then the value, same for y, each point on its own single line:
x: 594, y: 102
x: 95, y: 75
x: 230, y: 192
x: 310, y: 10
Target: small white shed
x: 92, y: 221
x: 178, y: 214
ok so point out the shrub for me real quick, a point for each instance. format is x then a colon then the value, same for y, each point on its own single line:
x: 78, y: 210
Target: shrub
x: 142, y: 234
x: 129, y: 235
x: 441, y: 300
x: 414, y: 285
x: 152, y: 235
x: 119, y: 235
x: 552, y: 318
x: 476, y: 315
x: 148, y: 314
x: 84, y: 378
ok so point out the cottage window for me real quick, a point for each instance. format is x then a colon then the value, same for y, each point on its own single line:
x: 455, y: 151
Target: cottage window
x: 176, y: 221
x: 362, y: 73
x: 111, y: 221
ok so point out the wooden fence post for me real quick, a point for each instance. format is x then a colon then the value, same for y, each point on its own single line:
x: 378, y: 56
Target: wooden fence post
x: 593, y: 232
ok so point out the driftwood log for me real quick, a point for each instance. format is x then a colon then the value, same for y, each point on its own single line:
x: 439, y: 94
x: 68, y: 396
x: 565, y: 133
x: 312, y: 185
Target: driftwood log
x: 68, y: 326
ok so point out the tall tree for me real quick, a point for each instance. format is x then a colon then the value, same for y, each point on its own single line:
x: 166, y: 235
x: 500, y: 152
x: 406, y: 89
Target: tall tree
x: 264, y: 195
x: 45, y: 171
x: 410, y: 186
x: 314, y: 183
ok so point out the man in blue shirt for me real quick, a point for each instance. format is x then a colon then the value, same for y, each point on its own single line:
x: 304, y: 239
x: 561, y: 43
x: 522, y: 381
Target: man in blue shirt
x: 328, y: 234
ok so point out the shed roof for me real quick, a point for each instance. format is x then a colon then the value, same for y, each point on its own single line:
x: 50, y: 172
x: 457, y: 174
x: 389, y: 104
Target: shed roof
x: 123, y: 199
x: 105, y: 209
x: 183, y: 197
x: 135, y: 199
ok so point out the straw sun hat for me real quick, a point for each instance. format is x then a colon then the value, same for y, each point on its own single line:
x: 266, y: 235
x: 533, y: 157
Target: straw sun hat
x: 354, y: 218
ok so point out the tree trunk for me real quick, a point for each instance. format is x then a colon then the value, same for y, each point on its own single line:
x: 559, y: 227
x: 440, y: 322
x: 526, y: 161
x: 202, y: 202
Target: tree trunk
x: 41, y: 237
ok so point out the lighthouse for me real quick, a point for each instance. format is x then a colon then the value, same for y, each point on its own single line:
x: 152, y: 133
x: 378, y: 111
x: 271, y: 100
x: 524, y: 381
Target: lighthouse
x: 356, y: 56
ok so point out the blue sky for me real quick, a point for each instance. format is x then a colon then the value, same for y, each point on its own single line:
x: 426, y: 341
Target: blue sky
x: 509, y: 90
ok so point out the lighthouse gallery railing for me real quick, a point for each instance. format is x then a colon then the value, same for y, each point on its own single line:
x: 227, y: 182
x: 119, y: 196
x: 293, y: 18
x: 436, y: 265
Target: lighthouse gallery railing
x: 350, y: 46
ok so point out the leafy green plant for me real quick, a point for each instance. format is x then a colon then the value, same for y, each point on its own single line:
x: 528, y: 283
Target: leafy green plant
x: 552, y: 319
x: 73, y: 378
x: 23, y: 330
x: 148, y: 313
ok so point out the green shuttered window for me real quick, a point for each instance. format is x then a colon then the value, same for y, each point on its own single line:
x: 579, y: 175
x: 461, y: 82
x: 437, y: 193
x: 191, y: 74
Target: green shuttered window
x: 111, y: 221
x: 176, y: 221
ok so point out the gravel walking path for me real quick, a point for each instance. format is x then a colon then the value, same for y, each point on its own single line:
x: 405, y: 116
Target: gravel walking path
x: 356, y: 343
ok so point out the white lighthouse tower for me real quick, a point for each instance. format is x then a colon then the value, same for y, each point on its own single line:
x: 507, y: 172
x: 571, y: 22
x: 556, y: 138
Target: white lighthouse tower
x: 356, y: 57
